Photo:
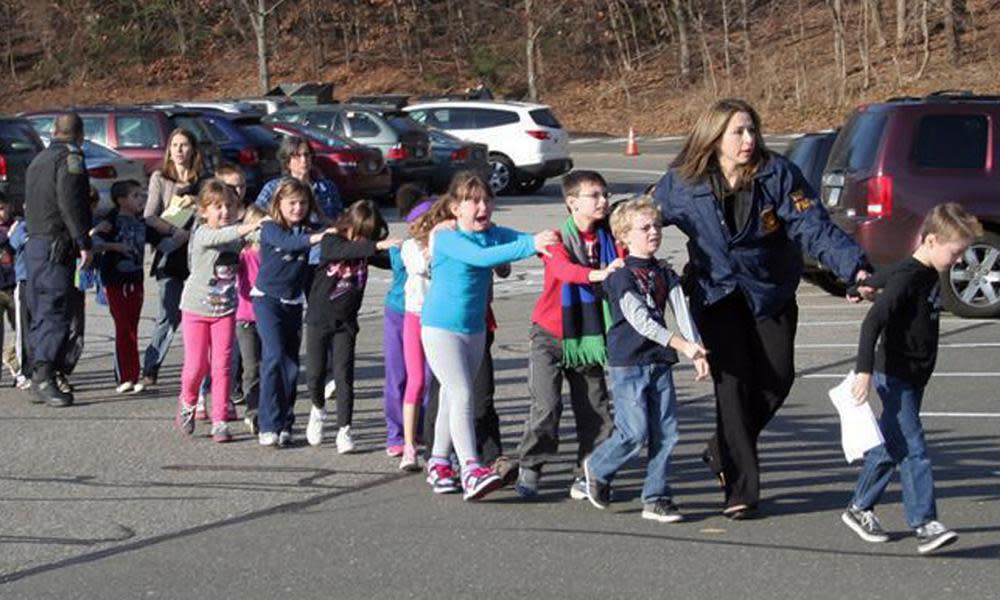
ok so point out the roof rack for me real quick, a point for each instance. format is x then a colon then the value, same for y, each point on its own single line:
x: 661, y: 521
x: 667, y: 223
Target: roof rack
x: 396, y: 101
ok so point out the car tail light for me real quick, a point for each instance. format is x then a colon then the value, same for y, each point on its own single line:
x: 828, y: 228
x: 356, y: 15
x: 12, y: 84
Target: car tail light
x: 879, y: 196
x: 105, y: 172
x: 460, y: 155
x: 248, y: 156
x: 3, y: 168
x: 397, y: 152
x: 538, y: 134
x: 346, y: 159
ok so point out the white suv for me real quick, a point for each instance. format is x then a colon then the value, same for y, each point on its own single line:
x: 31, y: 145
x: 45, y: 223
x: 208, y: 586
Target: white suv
x: 526, y: 142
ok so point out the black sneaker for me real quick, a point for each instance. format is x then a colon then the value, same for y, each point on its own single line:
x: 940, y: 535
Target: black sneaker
x: 598, y: 493
x: 48, y: 392
x: 663, y: 510
x: 62, y: 382
x: 865, y: 524
x: 934, y: 535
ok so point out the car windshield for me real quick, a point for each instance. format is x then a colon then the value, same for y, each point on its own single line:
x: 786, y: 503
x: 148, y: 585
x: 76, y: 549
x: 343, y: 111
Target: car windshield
x: 857, y: 145
x: 259, y: 134
x: 403, y: 124
x: 545, y: 118
x: 18, y: 137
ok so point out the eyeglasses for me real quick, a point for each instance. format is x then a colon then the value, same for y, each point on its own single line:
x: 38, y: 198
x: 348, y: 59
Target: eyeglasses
x: 301, y: 155
x: 595, y: 196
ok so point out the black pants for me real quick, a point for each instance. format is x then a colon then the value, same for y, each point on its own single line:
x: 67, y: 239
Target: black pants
x: 488, y: 444
x: 50, y: 300
x: 249, y: 350
x: 340, y: 337
x: 753, y: 367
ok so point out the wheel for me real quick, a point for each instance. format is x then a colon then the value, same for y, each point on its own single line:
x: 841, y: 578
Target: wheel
x: 502, y: 177
x: 530, y: 186
x: 971, y: 288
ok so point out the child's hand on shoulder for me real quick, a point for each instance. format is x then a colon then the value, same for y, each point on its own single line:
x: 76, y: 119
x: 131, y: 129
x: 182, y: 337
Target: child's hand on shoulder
x: 388, y: 243
x: 544, y: 239
x: 859, y: 389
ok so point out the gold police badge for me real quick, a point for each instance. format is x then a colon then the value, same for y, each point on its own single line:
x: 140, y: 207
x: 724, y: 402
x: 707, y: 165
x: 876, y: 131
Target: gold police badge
x: 769, y: 221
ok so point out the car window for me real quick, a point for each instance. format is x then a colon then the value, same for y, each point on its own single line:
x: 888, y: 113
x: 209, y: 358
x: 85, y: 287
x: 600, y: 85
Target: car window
x: 402, y: 124
x: 137, y: 131
x: 951, y: 142
x: 95, y: 128
x: 495, y: 118
x: 43, y: 125
x: 857, y: 145
x: 362, y: 125
x: 218, y: 134
x: 18, y: 137
x: 286, y: 117
x: 445, y: 118
x: 194, y: 124
x: 93, y: 150
x: 322, y: 120
x: 259, y: 134
x: 545, y: 118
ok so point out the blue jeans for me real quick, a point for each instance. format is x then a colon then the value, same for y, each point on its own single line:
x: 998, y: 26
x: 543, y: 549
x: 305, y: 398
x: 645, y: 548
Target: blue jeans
x: 904, y: 447
x: 167, y: 322
x: 279, y: 326
x: 645, y: 409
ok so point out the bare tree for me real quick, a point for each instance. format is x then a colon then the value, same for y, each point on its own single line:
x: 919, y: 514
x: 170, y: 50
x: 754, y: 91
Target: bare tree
x: 951, y: 31
x: 747, y: 55
x: 725, y: 42
x: 683, y: 48
x: 900, y: 23
x: 839, y: 45
x: 258, y: 19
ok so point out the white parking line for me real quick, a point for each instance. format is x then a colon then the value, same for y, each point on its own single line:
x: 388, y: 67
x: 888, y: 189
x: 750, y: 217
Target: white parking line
x: 968, y: 345
x: 962, y: 415
x: 955, y: 321
x: 585, y: 140
x: 842, y: 375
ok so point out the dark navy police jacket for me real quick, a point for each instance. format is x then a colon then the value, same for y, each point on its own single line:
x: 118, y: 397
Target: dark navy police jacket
x: 764, y: 260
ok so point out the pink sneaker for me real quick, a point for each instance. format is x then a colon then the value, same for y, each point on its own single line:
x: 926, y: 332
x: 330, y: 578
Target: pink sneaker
x: 480, y: 481
x: 394, y: 450
x: 409, y: 461
x: 442, y: 478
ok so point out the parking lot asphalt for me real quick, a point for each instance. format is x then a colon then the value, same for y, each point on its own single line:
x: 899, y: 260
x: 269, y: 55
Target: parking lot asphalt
x: 106, y: 500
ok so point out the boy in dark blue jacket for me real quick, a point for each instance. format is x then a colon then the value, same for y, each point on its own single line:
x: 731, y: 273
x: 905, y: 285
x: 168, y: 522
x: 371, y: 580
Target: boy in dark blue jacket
x: 641, y: 353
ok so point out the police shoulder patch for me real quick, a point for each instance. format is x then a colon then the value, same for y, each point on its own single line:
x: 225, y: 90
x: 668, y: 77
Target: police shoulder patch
x: 800, y: 201
x: 74, y: 163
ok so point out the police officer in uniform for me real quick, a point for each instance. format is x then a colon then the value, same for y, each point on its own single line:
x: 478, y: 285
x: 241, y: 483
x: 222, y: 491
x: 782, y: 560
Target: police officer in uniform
x: 58, y: 220
x: 748, y: 215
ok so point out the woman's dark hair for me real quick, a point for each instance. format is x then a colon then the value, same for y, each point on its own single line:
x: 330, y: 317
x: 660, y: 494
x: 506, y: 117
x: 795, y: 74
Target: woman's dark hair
x: 196, y: 167
x: 289, y: 146
x: 364, y: 220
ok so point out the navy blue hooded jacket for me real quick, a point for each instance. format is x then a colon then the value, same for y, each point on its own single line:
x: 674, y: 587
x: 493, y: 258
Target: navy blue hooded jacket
x: 764, y: 260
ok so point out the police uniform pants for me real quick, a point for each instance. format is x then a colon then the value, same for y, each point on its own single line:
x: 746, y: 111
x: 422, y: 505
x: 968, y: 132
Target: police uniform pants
x: 50, y: 285
x: 752, y: 363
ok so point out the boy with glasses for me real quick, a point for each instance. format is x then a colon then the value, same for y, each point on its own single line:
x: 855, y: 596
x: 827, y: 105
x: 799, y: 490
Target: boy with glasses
x: 567, y: 337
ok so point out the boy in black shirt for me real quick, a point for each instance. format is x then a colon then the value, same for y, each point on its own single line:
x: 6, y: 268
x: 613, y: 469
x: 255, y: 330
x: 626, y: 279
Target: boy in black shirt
x: 905, y: 321
x: 641, y: 354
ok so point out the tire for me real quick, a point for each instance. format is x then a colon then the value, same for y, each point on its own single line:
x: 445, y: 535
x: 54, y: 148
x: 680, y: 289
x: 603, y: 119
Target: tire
x: 502, y: 177
x: 530, y: 186
x: 971, y: 288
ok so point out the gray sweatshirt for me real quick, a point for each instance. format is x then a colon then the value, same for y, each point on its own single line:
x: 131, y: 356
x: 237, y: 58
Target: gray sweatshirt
x: 213, y: 254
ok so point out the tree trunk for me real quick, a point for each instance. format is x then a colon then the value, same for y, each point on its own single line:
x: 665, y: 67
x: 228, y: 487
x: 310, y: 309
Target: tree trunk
x: 529, y: 50
x: 684, y: 49
x: 900, y: 23
x: 925, y: 31
x: 9, y: 25
x: 177, y: 12
x: 951, y: 31
x: 747, y: 54
x: 864, y: 44
x: 725, y: 42
x: 839, y: 52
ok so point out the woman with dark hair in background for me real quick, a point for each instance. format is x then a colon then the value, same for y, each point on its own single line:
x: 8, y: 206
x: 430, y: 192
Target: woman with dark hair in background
x: 749, y: 215
x: 170, y: 210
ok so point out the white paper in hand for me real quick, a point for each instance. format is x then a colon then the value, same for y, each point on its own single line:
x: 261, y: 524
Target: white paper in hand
x: 859, y: 430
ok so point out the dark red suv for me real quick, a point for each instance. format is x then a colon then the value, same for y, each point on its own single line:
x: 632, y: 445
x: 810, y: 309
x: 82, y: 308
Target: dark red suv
x: 892, y: 162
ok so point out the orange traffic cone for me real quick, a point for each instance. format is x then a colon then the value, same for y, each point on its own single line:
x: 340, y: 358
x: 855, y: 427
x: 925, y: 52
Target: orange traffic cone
x: 631, y: 148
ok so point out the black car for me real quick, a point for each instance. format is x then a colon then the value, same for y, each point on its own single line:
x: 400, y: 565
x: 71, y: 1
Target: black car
x: 244, y: 141
x: 810, y: 153
x: 19, y: 143
x: 451, y: 155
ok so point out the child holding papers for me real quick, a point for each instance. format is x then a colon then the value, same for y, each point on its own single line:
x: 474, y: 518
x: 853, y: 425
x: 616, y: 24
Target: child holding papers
x: 904, y: 324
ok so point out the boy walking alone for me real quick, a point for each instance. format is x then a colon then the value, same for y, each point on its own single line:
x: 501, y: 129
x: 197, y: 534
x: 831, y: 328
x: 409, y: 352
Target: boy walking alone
x: 567, y: 335
x: 905, y: 320
x: 641, y: 354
